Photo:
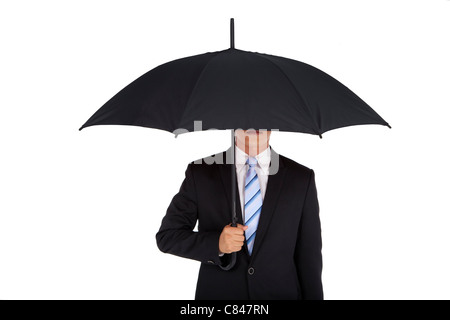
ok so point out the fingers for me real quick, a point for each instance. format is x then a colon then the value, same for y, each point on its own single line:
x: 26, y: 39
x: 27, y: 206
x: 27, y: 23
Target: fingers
x: 235, y: 249
x: 238, y: 230
x: 238, y: 237
x: 236, y: 243
x: 240, y: 226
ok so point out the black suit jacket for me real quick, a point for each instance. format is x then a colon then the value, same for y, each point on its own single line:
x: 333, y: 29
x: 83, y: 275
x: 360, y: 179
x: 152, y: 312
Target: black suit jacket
x: 286, y: 262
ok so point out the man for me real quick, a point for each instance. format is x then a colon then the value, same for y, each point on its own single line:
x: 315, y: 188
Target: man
x: 278, y: 237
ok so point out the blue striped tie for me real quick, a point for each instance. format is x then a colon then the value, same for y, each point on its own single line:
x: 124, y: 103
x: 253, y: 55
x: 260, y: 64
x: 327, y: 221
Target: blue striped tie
x: 253, y: 203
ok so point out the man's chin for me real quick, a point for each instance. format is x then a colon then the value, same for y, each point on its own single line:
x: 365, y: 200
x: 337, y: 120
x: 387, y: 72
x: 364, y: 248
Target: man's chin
x: 254, y: 132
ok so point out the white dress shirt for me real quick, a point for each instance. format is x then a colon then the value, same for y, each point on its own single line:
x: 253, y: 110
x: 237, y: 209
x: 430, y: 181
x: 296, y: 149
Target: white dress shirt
x: 262, y: 170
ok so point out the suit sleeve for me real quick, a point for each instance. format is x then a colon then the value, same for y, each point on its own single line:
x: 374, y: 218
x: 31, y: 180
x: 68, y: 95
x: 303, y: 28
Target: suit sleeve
x: 176, y: 235
x: 308, y: 253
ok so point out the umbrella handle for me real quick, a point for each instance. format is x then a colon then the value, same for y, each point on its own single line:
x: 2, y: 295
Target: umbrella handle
x: 230, y: 265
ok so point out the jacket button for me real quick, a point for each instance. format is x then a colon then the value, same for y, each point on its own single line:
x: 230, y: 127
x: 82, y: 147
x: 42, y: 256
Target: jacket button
x: 251, y: 271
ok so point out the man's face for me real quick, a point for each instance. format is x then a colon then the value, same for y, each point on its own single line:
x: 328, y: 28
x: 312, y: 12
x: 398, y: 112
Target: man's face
x: 253, y: 138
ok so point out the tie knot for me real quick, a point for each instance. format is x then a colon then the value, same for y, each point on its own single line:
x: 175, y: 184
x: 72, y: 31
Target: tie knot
x: 251, y: 161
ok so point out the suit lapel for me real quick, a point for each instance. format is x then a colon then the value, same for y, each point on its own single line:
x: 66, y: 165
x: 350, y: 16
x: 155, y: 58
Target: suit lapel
x: 274, y: 184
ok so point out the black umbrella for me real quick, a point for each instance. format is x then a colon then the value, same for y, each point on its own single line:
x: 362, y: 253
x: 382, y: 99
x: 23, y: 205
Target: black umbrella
x: 236, y: 89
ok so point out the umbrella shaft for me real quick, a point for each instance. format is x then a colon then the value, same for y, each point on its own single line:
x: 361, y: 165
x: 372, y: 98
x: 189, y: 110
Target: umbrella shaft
x: 233, y: 181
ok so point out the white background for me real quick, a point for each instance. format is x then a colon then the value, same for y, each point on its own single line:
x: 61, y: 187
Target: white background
x: 79, y: 210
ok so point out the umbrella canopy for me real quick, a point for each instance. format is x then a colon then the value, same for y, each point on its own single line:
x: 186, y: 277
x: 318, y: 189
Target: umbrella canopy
x: 236, y: 89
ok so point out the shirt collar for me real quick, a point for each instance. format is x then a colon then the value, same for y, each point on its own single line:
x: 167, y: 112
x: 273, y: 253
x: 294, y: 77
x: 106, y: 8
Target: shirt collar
x: 263, y: 159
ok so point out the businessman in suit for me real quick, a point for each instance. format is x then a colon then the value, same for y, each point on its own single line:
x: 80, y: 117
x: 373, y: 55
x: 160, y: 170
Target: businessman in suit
x: 278, y: 236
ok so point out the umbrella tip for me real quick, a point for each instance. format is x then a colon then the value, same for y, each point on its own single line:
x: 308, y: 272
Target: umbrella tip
x: 320, y: 136
x: 232, y: 33
x: 389, y: 126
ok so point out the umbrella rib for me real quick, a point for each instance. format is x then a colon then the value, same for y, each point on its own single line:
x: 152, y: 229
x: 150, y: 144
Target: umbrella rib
x: 317, y: 128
